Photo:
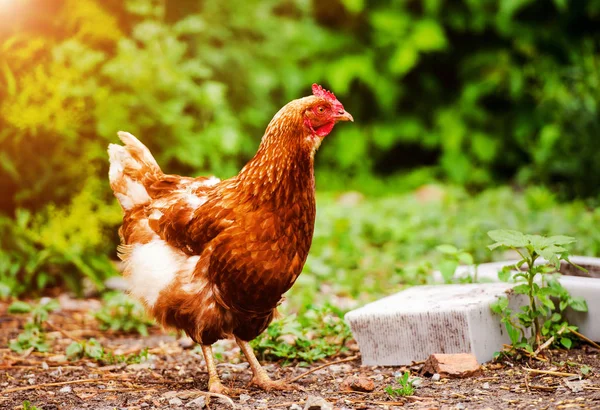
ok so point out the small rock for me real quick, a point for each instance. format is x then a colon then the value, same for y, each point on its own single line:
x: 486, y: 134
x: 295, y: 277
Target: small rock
x: 144, y: 404
x: 317, y: 403
x: 295, y: 407
x: 576, y: 386
x: 57, y: 372
x: 66, y: 389
x: 186, y: 342
x: 378, y: 377
x: 45, y: 366
x: 461, y: 406
x: 175, y: 401
x: 244, y: 398
x: 226, y: 376
x: 197, y: 403
x: 458, y: 365
x: 435, y: 377
x: 138, y: 366
x: 340, y: 368
x: 485, y: 386
x: 31, y: 380
x: 415, y: 381
x: 358, y: 383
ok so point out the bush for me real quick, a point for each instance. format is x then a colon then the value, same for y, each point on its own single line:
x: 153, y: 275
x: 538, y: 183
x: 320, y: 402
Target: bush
x: 479, y: 92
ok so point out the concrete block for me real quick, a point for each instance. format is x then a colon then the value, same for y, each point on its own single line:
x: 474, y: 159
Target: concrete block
x: 584, y: 285
x: 419, y: 321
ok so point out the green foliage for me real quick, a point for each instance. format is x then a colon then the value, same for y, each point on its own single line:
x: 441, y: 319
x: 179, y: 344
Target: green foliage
x: 92, y: 349
x: 366, y: 247
x: 406, y: 387
x: 541, y: 319
x: 478, y: 92
x: 53, y: 247
x: 120, y: 312
x: 452, y: 258
x: 33, y: 336
x: 314, y: 335
x: 28, y: 406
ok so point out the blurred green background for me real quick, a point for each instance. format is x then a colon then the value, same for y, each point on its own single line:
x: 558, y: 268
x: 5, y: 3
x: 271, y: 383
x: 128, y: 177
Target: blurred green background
x: 470, y: 115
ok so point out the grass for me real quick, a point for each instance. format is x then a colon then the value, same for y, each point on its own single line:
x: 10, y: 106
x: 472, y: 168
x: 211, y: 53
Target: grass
x: 366, y: 247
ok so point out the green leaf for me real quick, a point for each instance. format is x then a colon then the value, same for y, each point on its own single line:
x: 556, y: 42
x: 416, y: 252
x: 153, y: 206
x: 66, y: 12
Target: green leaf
x: 428, y: 35
x: 579, y: 304
x: 499, y: 305
x: 522, y: 289
x: 19, y: 306
x: 466, y: 258
x: 447, y: 249
x: 566, y: 342
x: 74, y: 350
x: 93, y: 349
x: 513, y: 333
x: 509, y: 238
x: 447, y: 269
x: 504, y: 273
x: 354, y: 6
x: 404, y: 59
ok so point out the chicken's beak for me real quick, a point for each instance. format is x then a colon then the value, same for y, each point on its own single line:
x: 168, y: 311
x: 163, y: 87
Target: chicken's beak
x: 344, y: 115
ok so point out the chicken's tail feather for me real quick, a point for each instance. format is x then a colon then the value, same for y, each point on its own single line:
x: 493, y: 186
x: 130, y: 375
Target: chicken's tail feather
x: 131, y: 167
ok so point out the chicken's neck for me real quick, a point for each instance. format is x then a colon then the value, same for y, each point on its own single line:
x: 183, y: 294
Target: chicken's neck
x: 282, y: 171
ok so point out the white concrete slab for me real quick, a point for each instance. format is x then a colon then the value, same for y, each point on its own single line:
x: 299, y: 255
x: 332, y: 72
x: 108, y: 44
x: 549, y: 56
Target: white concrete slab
x: 412, y: 324
x: 586, y: 287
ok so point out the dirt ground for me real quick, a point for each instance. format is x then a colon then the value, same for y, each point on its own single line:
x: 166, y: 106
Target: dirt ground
x: 174, y: 375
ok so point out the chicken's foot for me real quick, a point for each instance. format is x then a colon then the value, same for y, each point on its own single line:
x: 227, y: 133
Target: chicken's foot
x: 214, y: 383
x: 261, y: 379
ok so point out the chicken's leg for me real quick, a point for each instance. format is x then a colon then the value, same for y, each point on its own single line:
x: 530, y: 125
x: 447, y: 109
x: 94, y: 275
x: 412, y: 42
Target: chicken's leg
x: 214, y: 383
x: 261, y: 378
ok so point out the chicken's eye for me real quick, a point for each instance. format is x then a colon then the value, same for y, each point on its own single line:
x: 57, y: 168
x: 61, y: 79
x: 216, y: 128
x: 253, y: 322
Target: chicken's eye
x: 320, y: 109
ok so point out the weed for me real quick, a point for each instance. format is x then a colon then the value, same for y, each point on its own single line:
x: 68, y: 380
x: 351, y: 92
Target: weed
x: 28, y: 406
x: 539, y: 320
x: 120, y: 312
x: 452, y: 258
x: 406, y: 387
x: 92, y: 349
x: 33, y: 335
x: 315, y: 335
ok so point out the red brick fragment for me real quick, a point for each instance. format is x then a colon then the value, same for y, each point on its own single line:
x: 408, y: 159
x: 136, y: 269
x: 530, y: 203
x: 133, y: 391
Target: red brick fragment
x: 457, y: 365
x: 358, y: 383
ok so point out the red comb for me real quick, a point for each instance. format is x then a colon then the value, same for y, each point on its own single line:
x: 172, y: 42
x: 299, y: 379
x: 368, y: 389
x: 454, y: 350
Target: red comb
x: 319, y: 91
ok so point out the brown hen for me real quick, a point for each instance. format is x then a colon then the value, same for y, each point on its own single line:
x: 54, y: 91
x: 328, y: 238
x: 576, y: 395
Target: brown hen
x: 214, y: 258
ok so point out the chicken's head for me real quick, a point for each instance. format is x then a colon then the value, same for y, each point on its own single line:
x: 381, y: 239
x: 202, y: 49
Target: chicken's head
x: 323, y: 112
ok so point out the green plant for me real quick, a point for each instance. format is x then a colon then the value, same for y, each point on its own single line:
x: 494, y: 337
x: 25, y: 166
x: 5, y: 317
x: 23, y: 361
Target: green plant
x: 314, y: 335
x: 452, y: 258
x: 28, y: 406
x: 92, y: 349
x: 540, y: 319
x: 120, y: 312
x: 406, y: 387
x: 33, y: 335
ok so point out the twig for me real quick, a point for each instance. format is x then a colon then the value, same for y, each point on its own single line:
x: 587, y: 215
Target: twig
x: 347, y: 359
x: 37, y: 386
x: 527, y: 383
x: 590, y: 341
x: 63, y: 332
x: 544, y: 345
x: 545, y: 388
x: 549, y: 372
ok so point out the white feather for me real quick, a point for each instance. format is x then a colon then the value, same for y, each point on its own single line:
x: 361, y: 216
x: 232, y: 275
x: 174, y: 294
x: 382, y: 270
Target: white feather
x: 153, y: 266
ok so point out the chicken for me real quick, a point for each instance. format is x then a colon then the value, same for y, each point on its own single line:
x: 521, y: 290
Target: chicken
x: 213, y: 258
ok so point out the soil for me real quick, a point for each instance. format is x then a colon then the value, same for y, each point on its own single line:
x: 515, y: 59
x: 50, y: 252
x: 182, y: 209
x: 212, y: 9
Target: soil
x: 174, y: 375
